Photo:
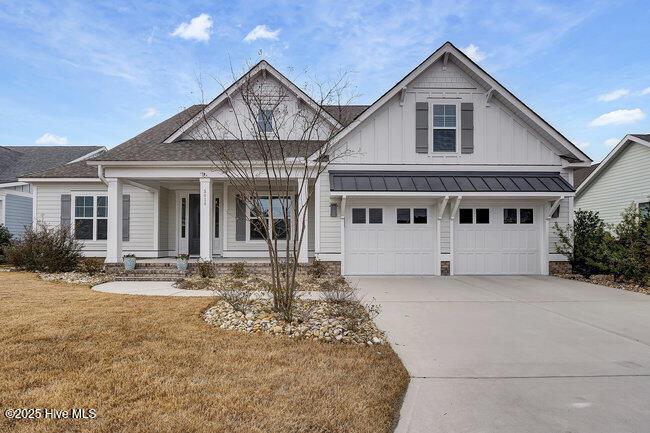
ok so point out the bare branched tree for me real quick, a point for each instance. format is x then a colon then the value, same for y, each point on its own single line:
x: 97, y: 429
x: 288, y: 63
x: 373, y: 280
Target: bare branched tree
x: 272, y: 145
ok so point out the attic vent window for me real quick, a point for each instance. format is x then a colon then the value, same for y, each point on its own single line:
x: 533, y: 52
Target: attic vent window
x: 265, y: 120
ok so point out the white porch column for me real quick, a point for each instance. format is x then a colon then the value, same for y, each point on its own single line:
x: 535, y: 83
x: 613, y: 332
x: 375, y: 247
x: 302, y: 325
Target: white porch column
x: 303, y: 221
x: 114, y: 229
x: 206, y: 218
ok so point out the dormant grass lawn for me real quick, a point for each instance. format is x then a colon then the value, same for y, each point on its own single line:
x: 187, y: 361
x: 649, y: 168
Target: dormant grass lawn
x: 152, y: 365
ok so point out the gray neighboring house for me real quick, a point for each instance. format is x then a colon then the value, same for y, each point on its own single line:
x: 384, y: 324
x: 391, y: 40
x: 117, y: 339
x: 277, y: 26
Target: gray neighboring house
x: 17, y: 161
x: 621, y: 179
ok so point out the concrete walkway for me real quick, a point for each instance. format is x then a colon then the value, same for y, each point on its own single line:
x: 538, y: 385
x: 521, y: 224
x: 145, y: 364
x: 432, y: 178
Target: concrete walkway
x: 517, y: 354
x: 167, y: 288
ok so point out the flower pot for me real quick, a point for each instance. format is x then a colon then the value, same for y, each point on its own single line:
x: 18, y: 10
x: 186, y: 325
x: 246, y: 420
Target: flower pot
x: 181, y: 264
x: 129, y: 263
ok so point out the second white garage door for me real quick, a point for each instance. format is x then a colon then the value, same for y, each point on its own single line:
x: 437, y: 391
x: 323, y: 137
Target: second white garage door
x: 389, y: 240
x: 493, y: 240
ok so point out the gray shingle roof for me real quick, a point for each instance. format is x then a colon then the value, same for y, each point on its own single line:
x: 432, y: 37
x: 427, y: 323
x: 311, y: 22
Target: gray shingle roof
x: 645, y: 137
x: 432, y: 181
x: 20, y: 161
x: 581, y: 174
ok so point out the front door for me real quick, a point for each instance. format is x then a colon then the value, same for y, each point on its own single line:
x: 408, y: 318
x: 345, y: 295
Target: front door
x: 194, y: 219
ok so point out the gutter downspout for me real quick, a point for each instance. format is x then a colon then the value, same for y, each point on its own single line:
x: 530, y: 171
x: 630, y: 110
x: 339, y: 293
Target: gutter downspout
x: 100, y: 174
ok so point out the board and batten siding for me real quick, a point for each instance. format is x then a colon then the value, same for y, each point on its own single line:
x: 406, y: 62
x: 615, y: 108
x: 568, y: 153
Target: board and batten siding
x: 48, y: 209
x: 500, y: 137
x: 626, y: 180
x: 18, y: 214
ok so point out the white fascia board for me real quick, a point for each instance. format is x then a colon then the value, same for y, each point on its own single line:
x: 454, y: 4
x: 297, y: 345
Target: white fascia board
x: 369, y: 194
x: 88, y: 155
x: 12, y: 184
x: 490, y: 83
x: 608, y: 159
x: 58, y: 179
x: 447, y: 167
x: 226, y: 94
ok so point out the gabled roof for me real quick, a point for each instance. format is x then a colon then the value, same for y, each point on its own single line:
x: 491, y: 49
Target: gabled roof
x: 580, y: 174
x: 643, y: 139
x: 20, y: 161
x: 571, y: 151
x: 261, y: 67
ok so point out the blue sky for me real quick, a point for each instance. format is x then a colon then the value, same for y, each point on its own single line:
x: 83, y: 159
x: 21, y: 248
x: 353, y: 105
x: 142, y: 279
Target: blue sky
x: 100, y: 72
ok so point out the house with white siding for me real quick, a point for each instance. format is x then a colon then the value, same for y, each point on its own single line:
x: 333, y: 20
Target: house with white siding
x: 16, y: 161
x: 446, y: 173
x: 620, y: 180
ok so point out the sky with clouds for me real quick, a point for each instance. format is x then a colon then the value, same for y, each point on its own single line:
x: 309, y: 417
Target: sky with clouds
x: 100, y: 72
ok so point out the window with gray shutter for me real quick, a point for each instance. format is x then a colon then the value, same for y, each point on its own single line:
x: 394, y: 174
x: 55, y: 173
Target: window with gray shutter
x: 126, y: 217
x: 422, y: 127
x: 240, y: 219
x: 467, y: 127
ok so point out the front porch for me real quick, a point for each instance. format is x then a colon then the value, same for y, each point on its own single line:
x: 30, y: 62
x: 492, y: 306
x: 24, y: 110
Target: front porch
x: 159, y: 219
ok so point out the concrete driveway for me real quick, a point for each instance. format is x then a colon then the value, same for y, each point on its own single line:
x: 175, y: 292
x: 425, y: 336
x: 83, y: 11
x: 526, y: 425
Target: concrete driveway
x: 517, y: 354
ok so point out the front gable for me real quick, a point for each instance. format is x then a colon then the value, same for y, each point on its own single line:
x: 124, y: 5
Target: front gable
x: 505, y: 131
x: 231, y: 116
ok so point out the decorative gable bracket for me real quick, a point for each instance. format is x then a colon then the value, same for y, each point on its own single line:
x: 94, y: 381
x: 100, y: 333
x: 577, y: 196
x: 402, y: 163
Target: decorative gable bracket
x: 402, y: 95
x: 488, y: 96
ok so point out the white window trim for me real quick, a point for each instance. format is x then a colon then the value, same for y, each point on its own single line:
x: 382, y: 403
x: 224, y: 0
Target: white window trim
x: 455, y: 102
x: 94, y: 218
x: 248, y: 222
x: 638, y: 202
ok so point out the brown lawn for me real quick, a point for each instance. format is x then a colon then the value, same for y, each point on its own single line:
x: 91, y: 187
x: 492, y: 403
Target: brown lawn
x: 151, y: 364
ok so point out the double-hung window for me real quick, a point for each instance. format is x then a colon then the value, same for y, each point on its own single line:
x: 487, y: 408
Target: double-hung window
x: 91, y: 217
x: 644, y: 209
x: 444, y: 127
x: 280, y: 230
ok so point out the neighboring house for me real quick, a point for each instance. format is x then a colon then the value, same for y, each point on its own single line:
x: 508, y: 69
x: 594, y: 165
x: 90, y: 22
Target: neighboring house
x: 449, y: 173
x: 621, y: 179
x: 18, y: 161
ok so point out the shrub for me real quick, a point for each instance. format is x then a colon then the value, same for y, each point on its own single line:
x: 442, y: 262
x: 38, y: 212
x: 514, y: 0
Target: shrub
x: 5, y: 237
x: 46, y: 249
x: 90, y: 265
x: 235, y: 292
x: 205, y: 269
x: 193, y: 283
x: 630, y: 254
x: 338, y: 291
x: 586, y: 243
x: 317, y: 269
x: 238, y: 270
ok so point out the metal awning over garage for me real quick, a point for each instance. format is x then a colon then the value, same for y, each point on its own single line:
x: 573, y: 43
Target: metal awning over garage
x: 449, y: 182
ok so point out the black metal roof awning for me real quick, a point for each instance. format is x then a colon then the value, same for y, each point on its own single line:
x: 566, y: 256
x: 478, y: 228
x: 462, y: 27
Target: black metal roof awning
x: 448, y: 182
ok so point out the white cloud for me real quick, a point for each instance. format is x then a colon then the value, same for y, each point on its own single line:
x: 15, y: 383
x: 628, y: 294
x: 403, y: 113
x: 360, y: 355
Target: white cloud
x: 262, y: 32
x: 618, y: 117
x: 48, y: 139
x: 611, y: 142
x: 474, y: 53
x: 645, y: 91
x: 150, y: 112
x: 613, y: 95
x: 197, y: 29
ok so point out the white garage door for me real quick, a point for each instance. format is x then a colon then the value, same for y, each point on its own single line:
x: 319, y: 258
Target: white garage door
x: 389, y: 240
x: 493, y: 240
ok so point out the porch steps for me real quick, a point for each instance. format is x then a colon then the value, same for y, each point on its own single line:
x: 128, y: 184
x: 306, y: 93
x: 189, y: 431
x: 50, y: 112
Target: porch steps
x: 147, y: 272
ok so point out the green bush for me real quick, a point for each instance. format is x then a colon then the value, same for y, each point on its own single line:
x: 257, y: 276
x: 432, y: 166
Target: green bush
x: 586, y: 243
x: 5, y: 238
x: 46, y: 249
x: 630, y: 255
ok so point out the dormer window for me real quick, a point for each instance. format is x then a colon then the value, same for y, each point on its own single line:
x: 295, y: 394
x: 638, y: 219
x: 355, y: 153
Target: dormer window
x: 265, y: 120
x: 444, y: 128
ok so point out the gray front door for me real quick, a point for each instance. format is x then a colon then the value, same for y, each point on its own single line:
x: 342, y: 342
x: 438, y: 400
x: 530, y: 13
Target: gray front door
x: 194, y: 217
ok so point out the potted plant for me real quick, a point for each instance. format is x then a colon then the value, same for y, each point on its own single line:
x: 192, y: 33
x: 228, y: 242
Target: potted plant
x: 181, y: 262
x: 129, y: 262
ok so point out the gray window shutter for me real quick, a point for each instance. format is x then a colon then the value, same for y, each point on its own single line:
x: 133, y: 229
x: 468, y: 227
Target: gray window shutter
x: 65, y: 210
x: 126, y: 217
x: 422, y: 127
x: 240, y: 219
x: 467, y: 127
